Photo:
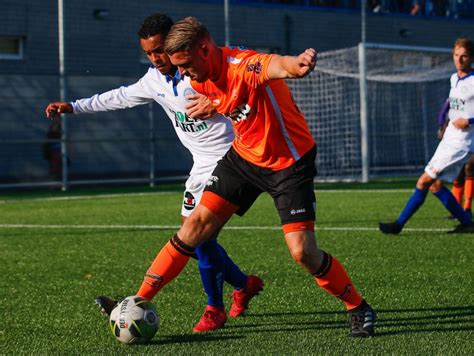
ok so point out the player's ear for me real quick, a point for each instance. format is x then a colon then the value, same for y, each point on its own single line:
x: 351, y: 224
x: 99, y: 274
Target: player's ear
x: 205, y: 49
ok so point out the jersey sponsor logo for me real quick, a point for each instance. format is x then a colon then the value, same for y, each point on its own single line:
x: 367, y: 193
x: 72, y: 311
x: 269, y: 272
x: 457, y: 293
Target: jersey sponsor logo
x: 189, y: 202
x: 297, y: 211
x: 161, y: 95
x: 456, y: 104
x: 255, y: 67
x: 212, y: 180
x: 186, y: 124
x: 240, y: 113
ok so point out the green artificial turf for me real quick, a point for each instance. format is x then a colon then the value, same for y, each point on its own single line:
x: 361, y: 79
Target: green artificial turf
x: 57, y: 254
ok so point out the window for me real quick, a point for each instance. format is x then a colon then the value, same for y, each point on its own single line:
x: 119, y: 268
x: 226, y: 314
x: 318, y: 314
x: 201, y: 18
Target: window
x: 11, y: 47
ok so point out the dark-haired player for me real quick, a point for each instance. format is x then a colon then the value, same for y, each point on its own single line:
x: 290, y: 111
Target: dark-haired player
x: 207, y: 141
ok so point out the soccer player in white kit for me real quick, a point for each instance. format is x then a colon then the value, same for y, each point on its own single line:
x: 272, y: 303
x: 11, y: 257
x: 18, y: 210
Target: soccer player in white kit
x: 453, y: 151
x: 207, y: 140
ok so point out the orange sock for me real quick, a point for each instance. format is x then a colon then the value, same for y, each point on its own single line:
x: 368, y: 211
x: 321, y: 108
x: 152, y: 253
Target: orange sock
x: 167, y: 265
x: 334, y: 279
x: 458, y: 190
x: 468, y: 188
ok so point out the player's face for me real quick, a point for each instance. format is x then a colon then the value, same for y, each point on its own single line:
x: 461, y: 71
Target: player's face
x: 154, y: 50
x: 191, y: 63
x: 462, y: 60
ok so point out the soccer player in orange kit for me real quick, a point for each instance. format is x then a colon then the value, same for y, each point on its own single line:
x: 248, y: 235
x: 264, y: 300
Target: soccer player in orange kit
x: 273, y: 151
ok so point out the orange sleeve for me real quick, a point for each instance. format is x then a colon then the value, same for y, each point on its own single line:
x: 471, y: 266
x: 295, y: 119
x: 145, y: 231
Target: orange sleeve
x: 254, y: 69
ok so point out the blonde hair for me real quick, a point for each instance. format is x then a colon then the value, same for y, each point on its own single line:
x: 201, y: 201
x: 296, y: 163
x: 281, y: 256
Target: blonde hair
x: 466, y: 43
x: 185, y: 35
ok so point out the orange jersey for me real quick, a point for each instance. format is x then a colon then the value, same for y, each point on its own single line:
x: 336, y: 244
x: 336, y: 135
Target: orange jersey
x: 270, y: 130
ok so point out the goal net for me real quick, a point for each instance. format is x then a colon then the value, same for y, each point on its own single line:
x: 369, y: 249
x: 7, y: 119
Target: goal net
x: 405, y: 89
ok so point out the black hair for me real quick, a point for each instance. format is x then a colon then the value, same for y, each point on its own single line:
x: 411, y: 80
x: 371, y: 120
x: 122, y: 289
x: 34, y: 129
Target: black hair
x: 156, y: 24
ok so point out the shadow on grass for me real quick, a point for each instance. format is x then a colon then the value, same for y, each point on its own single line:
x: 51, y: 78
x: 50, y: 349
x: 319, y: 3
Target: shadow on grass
x: 390, y: 321
x: 193, y: 338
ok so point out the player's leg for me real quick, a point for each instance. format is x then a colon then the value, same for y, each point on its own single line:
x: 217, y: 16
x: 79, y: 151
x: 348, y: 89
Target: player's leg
x: 296, y: 203
x: 445, y: 162
x: 330, y: 275
x: 173, y: 257
x: 469, y: 185
x: 215, y: 266
x: 458, y: 186
x: 413, y: 204
x: 228, y: 184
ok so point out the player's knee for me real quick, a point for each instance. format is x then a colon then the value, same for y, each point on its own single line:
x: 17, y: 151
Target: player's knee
x: 436, y: 186
x: 200, y: 226
x: 302, y: 252
x: 425, y: 182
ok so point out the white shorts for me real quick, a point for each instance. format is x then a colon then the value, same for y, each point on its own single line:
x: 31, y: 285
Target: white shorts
x: 193, y: 192
x: 447, y: 162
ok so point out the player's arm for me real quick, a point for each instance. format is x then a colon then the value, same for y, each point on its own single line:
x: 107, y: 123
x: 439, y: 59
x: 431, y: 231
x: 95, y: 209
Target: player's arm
x: 115, y: 99
x: 199, y: 107
x: 443, y: 119
x: 282, y: 67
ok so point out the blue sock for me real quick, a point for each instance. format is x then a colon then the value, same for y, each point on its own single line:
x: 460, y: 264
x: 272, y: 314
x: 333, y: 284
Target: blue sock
x: 211, y: 267
x: 416, y: 200
x: 232, y: 273
x: 450, y: 203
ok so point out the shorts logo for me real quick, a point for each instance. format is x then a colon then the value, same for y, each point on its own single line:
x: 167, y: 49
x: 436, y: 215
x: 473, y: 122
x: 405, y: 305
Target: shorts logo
x: 189, y: 202
x: 297, y: 211
x: 211, y: 180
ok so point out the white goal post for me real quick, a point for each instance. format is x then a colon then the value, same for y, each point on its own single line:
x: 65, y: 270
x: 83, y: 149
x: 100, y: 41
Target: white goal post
x: 373, y: 109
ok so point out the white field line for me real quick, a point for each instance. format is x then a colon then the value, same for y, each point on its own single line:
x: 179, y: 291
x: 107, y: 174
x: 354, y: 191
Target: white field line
x: 85, y: 197
x: 121, y: 195
x: 175, y: 227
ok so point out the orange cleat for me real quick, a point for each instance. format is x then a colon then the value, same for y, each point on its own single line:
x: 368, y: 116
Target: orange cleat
x: 213, y: 318
x: 242, y: 297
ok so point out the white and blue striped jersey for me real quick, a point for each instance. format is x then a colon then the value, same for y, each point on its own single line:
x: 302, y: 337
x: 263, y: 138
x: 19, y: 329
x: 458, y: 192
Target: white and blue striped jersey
x: 207, y: 140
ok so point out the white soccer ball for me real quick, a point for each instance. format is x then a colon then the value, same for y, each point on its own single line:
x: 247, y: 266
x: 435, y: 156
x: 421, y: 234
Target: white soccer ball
x: 134, y: 320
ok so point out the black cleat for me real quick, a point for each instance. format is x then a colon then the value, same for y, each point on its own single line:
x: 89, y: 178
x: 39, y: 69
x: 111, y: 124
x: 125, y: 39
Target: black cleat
x: 362, y: 321
x: 393, y: 228
x: 106, y: 304
x: 463, y: 229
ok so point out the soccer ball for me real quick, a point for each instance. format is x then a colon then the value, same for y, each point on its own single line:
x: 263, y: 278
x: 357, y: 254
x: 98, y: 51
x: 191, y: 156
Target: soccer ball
x: 134, y: 320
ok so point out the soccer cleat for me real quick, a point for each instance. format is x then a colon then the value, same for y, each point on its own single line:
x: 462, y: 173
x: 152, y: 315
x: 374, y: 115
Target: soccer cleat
x: 392, y: 228
x: 106, y: 305
x: 463, y: 229
x: 243, y: 296
x: 213, y: 318
x: 362, y: 320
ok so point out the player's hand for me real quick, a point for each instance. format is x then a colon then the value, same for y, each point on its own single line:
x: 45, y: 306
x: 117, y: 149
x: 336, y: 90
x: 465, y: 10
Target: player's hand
x: 306, y: 62
x: 461, y: 123
x: 199, y: 107
x: 53, y: 110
